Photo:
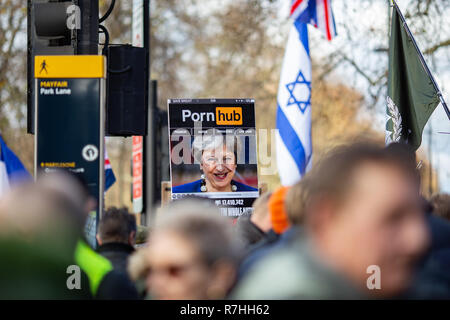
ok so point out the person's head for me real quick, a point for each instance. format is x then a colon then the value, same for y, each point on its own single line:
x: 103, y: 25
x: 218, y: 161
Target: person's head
x: 50, y: 211
x: 73, y: 187
x: 296, y: 199
x: 192, y: 253
x: 137, y: 267
x: 363, y: 208
x: 39, y: 228
x: 118, y: 226
x: 67, y: 193
x: 441, y: 205
x: 260, y: 216
x: 32, y: 210
x: 217, y: 155
x: 277, y: 210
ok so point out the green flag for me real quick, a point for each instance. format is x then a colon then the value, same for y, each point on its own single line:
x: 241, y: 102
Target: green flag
x: 412, y: 96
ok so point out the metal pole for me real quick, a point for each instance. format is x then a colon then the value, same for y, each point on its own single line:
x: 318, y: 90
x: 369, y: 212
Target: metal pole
x: 87, y: 39
x: 148, y: 141
x: 424, y: 64
x: 430, y: 158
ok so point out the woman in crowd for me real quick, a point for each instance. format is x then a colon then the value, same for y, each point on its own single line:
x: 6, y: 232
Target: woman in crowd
x: 191, y: 253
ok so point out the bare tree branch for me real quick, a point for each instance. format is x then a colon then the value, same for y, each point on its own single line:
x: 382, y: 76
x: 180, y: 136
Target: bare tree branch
x: 437, y: 46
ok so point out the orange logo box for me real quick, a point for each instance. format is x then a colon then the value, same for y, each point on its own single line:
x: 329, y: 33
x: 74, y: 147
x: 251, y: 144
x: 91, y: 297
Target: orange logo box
x: 228, y: 116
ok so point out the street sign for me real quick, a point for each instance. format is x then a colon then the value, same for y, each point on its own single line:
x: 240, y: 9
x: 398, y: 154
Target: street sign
x: 137, y: 174
x: 69, y: 118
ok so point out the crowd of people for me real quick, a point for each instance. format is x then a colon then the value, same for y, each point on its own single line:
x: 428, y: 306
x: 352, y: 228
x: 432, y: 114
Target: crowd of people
x: 354, y: 227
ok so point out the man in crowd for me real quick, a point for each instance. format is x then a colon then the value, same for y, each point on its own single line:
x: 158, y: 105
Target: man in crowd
x: 253, y: 228
x: 441, y: 205
x: 279, y: 222
x: 280, y: 233
x: 116, y: 237
x: 433, y: 278
x: 364, y: 231
x: 39, y: 231
x: 103, y: 281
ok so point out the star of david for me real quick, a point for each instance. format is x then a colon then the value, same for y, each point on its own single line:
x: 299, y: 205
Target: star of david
x: 300, y: 92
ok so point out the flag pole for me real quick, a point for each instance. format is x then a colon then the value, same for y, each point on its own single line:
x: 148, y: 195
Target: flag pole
x: 422, y: 60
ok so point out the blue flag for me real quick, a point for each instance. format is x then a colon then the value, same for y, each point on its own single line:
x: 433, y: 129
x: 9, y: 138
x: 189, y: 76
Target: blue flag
x: 12, y: 171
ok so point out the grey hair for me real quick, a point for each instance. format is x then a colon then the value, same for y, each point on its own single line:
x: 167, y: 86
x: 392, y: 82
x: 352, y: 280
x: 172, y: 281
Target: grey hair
x: 201, y: 222
x: 213, y: 140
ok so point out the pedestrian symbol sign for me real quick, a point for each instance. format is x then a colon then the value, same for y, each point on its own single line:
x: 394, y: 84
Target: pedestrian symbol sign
x: 43, y: 67
x: 69, y: 118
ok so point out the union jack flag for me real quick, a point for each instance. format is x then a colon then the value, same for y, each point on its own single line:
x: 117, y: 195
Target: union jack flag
x: 110, y: 178
x: 315, y: 12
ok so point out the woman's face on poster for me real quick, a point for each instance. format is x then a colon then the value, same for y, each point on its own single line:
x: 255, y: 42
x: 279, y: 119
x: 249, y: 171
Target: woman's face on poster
x: 219, y: 166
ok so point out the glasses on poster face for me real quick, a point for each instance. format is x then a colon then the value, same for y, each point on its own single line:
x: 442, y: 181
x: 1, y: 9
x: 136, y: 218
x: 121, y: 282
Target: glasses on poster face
x: 214, y: 161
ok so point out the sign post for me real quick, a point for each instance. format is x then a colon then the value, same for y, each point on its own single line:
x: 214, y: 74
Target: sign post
x: 137, y: 35
x: 69, y: 118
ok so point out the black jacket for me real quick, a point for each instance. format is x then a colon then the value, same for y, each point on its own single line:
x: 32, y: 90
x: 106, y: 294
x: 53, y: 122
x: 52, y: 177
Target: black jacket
x: 433, y: 279
x: 116, y: 285
x: 117, y: 253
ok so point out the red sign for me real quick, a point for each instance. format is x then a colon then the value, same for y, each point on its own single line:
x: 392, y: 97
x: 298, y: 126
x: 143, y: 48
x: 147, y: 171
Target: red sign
x: 137, y: 173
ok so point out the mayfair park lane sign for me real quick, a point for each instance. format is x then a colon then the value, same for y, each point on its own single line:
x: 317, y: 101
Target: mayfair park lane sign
x: 69, y: 118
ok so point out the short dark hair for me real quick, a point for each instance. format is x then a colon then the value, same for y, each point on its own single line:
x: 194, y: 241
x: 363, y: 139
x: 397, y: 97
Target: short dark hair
x: 441, y: 205
x: 331, y: 176
x: 116, y: 225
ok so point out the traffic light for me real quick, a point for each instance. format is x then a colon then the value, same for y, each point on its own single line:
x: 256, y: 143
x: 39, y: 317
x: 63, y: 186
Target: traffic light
x: 58, y: 27
x: 54, y: 24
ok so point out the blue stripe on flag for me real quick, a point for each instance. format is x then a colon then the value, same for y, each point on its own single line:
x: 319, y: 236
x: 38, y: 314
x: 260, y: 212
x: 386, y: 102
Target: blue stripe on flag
x: 291, y: 140
x: 313, y: 10
x: 309, y: 14
x: 304, y: 17
x: 334, y: 23
x: 302, y: 30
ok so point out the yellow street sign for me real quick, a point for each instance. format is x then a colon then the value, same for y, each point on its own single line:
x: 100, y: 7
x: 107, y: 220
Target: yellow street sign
x: 80, y: 66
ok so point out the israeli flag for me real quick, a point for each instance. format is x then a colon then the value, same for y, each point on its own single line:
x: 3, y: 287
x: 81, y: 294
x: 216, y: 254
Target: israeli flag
x: 293, y: 139
x: 12, y: 171
x: 294, y: 146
